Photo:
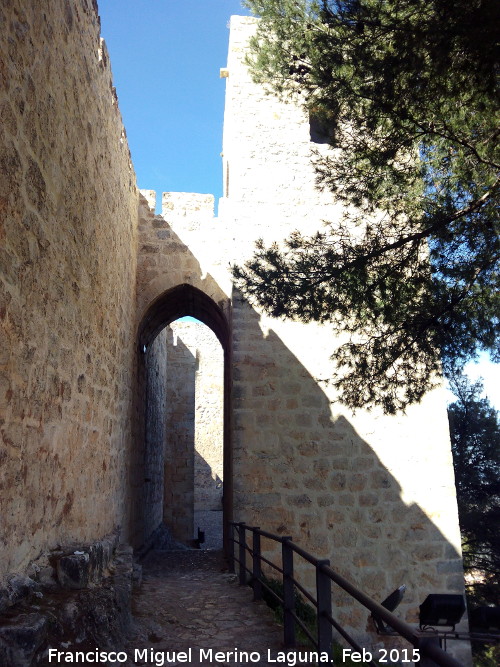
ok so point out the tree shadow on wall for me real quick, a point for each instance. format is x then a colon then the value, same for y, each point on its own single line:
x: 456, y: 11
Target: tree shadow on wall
x: 301, y: 471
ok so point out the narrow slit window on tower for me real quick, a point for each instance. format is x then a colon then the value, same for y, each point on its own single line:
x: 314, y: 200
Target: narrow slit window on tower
x: 319, y: 129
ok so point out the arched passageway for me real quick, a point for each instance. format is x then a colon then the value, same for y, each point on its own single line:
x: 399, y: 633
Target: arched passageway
x: 147, y: 479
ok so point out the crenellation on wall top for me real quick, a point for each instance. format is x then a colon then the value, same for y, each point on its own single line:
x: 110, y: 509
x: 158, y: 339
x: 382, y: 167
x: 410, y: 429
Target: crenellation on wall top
x: 198, y: 207
x: 176, y: 206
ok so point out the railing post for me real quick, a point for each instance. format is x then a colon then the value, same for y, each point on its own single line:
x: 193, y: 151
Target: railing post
x: 288, y: 592
x: 242, y: 552
x: 425, y: 661
x: 256, y: 567
x: 230, y: 551
x: 324, y: 599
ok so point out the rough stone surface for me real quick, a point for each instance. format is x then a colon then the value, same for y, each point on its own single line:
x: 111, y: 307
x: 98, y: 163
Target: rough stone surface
x: 180, y: 438
x: 209, y: 522
x: 21, y: 639
x: 16, y: 589
x: 68, y: 217
x: 374, y: 494
x: 199, y: 605
x: 73, y: 571
x: 208, y: 418
x: 154, y: 455
x: 83, y: 616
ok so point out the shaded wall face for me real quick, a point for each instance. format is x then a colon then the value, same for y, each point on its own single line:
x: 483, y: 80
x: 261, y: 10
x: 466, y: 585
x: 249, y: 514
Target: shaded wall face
x: 67, y: 268
x: 164, y: 263
x: 156, y: 416
x: 339, y: 483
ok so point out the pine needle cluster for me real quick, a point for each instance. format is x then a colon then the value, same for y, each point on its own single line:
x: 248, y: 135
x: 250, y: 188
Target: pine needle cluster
x: 407, y: 94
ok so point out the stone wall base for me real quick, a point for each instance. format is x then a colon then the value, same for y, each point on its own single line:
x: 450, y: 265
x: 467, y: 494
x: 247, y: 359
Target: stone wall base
x: 80, y: 602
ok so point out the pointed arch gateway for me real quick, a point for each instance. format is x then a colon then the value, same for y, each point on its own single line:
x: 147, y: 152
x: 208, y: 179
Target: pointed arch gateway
x: 181, y: 301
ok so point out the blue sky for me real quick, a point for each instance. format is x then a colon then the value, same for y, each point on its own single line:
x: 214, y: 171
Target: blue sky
x: 165, y: 57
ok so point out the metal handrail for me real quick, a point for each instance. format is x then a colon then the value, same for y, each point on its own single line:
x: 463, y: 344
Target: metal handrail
x: 424, y: 642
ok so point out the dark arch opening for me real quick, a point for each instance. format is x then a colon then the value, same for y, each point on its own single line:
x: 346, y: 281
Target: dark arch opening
x: 183, y: 300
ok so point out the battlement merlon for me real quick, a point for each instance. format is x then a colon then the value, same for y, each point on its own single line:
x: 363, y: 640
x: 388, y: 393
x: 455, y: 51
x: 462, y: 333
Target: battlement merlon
x: 197, y: 207
x: 179, y: 206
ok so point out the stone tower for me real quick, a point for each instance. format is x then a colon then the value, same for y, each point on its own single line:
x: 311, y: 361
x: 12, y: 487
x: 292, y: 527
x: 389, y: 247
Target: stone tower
x: 373, y: 493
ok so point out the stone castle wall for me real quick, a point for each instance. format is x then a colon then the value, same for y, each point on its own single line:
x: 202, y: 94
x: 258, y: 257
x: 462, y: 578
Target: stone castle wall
x: 207, y: 383
x: 155, y: 453
x: 68, y: 212
x: 165, y: 261
x: 183, y: 457
x: 85, y: 262
x: 179, y: 458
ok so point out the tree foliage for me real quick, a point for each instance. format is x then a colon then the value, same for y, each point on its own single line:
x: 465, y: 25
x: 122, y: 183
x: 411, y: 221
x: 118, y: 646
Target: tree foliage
x: 475, y: 438
x: 407, y: 93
